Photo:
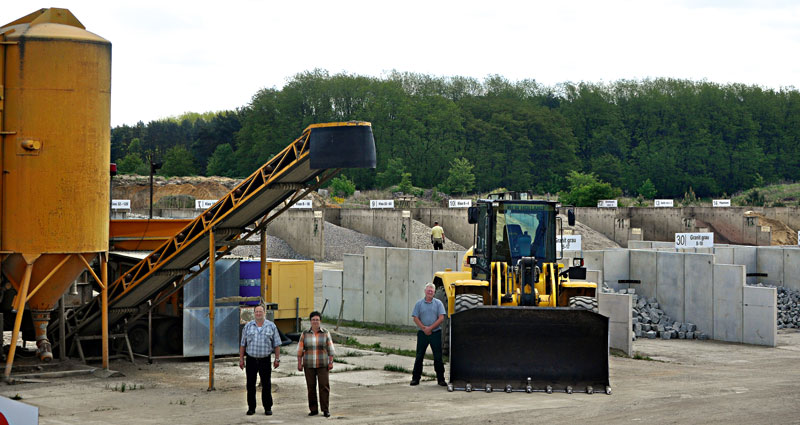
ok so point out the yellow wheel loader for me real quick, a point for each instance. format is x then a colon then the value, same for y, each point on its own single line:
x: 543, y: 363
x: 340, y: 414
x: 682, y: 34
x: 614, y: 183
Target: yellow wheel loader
x: 517, y: 319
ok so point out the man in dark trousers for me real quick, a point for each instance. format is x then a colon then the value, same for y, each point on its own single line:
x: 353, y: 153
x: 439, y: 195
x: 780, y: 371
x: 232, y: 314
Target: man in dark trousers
x: 437, y: 236
x: 428, y: 314
x: 260, y: 338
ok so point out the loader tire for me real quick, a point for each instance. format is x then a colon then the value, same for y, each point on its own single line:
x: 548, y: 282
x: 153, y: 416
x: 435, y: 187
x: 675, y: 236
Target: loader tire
x: 584, y: 303
x: 467, y: 301
x: 441, y: 295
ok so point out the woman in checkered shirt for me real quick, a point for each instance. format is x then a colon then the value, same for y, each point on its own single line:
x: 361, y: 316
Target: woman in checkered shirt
x: 315, y: 356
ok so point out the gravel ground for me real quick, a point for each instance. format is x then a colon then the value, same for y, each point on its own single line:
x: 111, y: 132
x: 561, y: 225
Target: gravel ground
x: 421, y: 238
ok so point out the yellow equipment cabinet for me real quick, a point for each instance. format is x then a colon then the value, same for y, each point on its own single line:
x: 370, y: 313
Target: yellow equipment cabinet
x: 290, y: 285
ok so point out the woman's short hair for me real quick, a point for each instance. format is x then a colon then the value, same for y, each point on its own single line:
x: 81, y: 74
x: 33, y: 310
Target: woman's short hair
x: 314, y: 314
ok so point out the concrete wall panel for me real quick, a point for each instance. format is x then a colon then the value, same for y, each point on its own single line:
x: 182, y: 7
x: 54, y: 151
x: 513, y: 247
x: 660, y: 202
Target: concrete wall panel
x: 723, y: 255
x: 760, y: 312
x: 728, y: 296
x: 769, y: 261
x: 397, y: 271
x: 445, y: 260
x: 643, y: 268
x: 670, y: 283
x: 375, y: 284
x: 616, y: 265
x: 353, y: 287
x: 791, y: 268
x: 332, y: 291
x: 594, y: 260
x: 420, y: 272
x: 746, y: 256
x: 617, y: 307
x: 640, y: 244
x: 699, y: 291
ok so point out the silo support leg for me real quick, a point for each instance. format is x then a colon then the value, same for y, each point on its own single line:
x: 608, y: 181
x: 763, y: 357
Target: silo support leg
x: 23, y: 294
x: 104, y: 307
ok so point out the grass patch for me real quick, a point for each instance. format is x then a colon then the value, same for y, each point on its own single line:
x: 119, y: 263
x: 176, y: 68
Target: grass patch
x: 636, y: 356
x: 125, y: 387
x: 371, y: 326
x: 352, y: 342
x: 395, y: 368
x: 338, y: 360
x: 351, y: 354
x: 353, y: 369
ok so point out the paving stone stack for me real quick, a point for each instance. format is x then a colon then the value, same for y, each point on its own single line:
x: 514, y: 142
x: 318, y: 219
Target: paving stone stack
x: 788, y: 306
x: 649, y: 321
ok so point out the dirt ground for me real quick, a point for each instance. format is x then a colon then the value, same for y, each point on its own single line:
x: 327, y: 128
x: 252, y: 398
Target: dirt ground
x: 688, y: 381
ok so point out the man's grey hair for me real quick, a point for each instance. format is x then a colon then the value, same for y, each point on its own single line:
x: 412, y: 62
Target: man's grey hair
x: 430, y: 285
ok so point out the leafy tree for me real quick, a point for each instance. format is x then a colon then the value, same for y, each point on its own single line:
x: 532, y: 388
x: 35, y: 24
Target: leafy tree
x: 132, y: 163
x: 342, y: 187
x: 460, y: 178
x: 177, y: 162
x: 222, y: 162
x: 392, y: 175
x: 405, y: 184
x: 585, y: 190
x: 647, y: 190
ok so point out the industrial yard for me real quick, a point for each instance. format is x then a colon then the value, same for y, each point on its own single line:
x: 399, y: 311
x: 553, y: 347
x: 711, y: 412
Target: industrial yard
x: 682, y: 382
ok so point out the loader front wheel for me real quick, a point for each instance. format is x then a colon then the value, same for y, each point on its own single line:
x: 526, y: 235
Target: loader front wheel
x: 584, y: 303
x: 442, y: 296
x: 463, y: 302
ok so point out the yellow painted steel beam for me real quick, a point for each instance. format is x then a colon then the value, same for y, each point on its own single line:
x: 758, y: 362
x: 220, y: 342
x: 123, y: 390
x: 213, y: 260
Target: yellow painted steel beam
x: 89, y: 268
x: 26, y: 279
x: 104, y: 306
x: 46, y: 278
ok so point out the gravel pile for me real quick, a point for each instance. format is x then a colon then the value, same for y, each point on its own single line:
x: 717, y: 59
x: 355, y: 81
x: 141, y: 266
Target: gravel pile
x: 276, y: 248
x: 788, y: 306
x: 421, y: 238
x: 340, y: 241
x: 649, y: 321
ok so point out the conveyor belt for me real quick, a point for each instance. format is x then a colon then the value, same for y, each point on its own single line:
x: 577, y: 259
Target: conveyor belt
x: 302, y: 166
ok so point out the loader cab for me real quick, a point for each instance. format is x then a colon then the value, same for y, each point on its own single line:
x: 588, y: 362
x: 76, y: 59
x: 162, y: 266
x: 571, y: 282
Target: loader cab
x: 510, y: 230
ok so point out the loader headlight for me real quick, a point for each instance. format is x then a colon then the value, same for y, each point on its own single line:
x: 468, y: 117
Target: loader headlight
x: 473, y: 261
x: 577, y: 262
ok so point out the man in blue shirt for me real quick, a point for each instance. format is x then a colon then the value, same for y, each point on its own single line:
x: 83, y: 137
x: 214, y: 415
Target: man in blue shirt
x: 260, y: 338
x: 428, y: 314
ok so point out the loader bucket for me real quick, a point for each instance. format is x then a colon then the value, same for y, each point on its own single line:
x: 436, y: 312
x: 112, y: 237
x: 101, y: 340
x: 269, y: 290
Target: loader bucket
x: 529, y: 349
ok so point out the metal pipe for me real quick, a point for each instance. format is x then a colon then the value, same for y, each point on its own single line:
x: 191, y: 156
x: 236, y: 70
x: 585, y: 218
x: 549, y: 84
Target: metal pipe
x: 263, y: 234
x: 62, y: 347
x: 211, y: 283
x: 104, y: 305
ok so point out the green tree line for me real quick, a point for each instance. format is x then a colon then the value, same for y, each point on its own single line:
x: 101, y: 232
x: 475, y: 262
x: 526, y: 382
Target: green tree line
x: 664, y: 135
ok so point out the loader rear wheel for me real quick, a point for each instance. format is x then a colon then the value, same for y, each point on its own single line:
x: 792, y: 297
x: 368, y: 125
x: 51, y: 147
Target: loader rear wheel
x: 584, y: 303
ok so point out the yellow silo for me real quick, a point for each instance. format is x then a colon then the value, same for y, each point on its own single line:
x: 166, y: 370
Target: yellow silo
x: 55, y: 79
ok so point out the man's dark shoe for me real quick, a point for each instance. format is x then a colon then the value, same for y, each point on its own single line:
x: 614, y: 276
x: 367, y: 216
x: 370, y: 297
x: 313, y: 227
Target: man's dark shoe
x: 442, y: 383
x: 313, y: 414
x: 414, y: 382
x: 326, y: 414
x: 251, y: 412
x: 268, y: 412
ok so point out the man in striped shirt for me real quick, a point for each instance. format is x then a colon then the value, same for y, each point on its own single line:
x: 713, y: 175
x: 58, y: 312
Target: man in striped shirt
x: 260, y: 338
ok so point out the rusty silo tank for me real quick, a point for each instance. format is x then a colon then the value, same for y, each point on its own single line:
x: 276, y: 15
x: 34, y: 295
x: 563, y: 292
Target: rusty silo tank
x: 55, y: 79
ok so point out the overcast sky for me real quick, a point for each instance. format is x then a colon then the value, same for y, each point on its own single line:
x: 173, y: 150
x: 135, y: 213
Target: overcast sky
x: 174, y: 56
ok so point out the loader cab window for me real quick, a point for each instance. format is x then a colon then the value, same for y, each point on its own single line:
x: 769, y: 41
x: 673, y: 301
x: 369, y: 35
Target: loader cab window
x: 525, y: 230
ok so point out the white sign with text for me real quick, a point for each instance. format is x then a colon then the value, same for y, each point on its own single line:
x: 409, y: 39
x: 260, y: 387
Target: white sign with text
x: 694, y: 240
x: 120, y: 204
x: 202, y: 204
x: 460, y: 203
x: 721, y: 202
x: 663, y: 203
x: 607, y: 203
x: 304, y: 204
x: 381, y: 203
x: 569, y: 242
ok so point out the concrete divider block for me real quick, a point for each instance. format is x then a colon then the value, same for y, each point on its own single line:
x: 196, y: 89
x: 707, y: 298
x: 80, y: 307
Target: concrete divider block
x: 670, y: 283
x: 663, y: 245
x: 397, y: 286
x: 728, y: 297
x: 640, y: 244
x: 770, y: 261
x: 375, y: 284
x: 759, y: 315
x: 353, y: 287
x: 746, y: 256
x: 595, y: 276
x: 332, y: 291
x: 699, y: 290
x: 643, y: 268
x: 420, y: 272
x: 616, y: 265
x: 723, y: 255
x: 593, y: 260
x: 617, y: 307
x: 446, y: 260
x: 791, y: 268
